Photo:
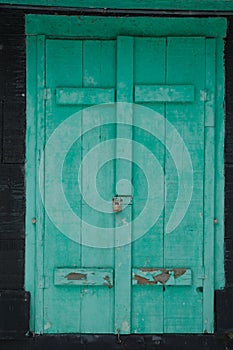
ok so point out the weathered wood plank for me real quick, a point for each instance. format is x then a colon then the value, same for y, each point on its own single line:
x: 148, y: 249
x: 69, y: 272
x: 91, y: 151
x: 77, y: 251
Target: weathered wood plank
x: 157, y: 276
x: 83, y: 276
x: 99, y: 67
x: 209, y: 190
x: 222, y: 143
x: 30, y: 251
x: 147, y: 251
x: 84, y: 96
x: 183, y: 247
x: 40, y: 212
x: 209, y: 193
x: 123, y: 171
x: 164, y: 93
x: 63, y: 68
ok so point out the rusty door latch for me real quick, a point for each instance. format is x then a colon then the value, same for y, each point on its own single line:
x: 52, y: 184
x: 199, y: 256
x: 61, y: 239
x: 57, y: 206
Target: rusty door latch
x: 120, y: 202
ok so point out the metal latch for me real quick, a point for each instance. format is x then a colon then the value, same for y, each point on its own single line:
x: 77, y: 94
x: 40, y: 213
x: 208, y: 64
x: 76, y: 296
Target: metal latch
x: 121, y: 201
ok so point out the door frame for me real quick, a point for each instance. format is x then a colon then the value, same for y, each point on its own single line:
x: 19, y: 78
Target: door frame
x: 41, y: 27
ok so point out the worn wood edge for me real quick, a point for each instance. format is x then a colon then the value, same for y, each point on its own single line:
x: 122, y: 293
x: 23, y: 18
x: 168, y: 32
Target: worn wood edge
x: 31, y: 117
x: 219, y: 169
x: 208, y: 282
x: 39, y: 291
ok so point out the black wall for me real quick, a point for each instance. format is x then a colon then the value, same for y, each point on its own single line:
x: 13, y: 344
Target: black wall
x: 14, y: 301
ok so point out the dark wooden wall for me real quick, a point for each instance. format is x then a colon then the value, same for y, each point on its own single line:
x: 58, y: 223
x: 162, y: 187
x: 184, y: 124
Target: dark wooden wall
x: 12, y: 150
x: 14, y: 301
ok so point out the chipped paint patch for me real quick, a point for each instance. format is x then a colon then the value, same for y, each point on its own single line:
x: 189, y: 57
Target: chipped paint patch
x: 156, y: 276
x: 83, y: 276
x: 76, y: 276
x: 125, y: 326
x: 47, y: 326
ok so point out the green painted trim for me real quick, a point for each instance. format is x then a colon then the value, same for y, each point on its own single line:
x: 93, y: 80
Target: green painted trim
x: 40, y: 220
x: 34, y: 274
x: 209, y: 189
x: 30, y: 243
x: 191, y: 5
x: 208, y: 285
x: 111, y: 27
x: 219, y: 166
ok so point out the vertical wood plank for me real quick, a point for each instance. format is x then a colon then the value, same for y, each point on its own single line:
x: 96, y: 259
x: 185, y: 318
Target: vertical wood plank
x: 97, y: 303
x: 61, y: 305
x: 123, y: 171
x: 31, y: 113
x: 184, y: 245
x: 209, y: 190
x: 147, y: 251
x: 219, y: 166
x: 39, y: 309
x: 208, y: 288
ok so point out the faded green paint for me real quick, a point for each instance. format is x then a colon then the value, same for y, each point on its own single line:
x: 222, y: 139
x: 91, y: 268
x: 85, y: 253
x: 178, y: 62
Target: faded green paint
x: 158, y: 277
x: 164, y: 93
x: 86, y: 277
x: 119, y: 64
x: 209, y: 189
x: 123, y: 254
x: 192, y: 5
x: 110, y: 27
x: 219, y: 278
x: 85, y: 96
x: 31, y: 139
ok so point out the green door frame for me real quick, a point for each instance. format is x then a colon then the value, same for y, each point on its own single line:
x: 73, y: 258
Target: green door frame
x: 40, y: 27
x: 190, y: 5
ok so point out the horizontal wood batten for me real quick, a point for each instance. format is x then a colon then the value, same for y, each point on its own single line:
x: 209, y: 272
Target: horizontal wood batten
x: 83, y: 276
x: 111, y: 27
x: 157, y: 276
x: 84, y: 96
x: 164, y: 93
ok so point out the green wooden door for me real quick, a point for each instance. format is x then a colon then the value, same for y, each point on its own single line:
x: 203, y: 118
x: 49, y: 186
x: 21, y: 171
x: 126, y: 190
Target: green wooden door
x: 125, y: 181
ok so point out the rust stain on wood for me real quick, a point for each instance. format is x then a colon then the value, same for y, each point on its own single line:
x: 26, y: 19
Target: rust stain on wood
x: 76, y: 276
x: 107, y: 282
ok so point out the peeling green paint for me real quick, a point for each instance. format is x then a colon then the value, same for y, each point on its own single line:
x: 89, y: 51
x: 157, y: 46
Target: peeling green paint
x: 87, y: 277
x: 169, y: 277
